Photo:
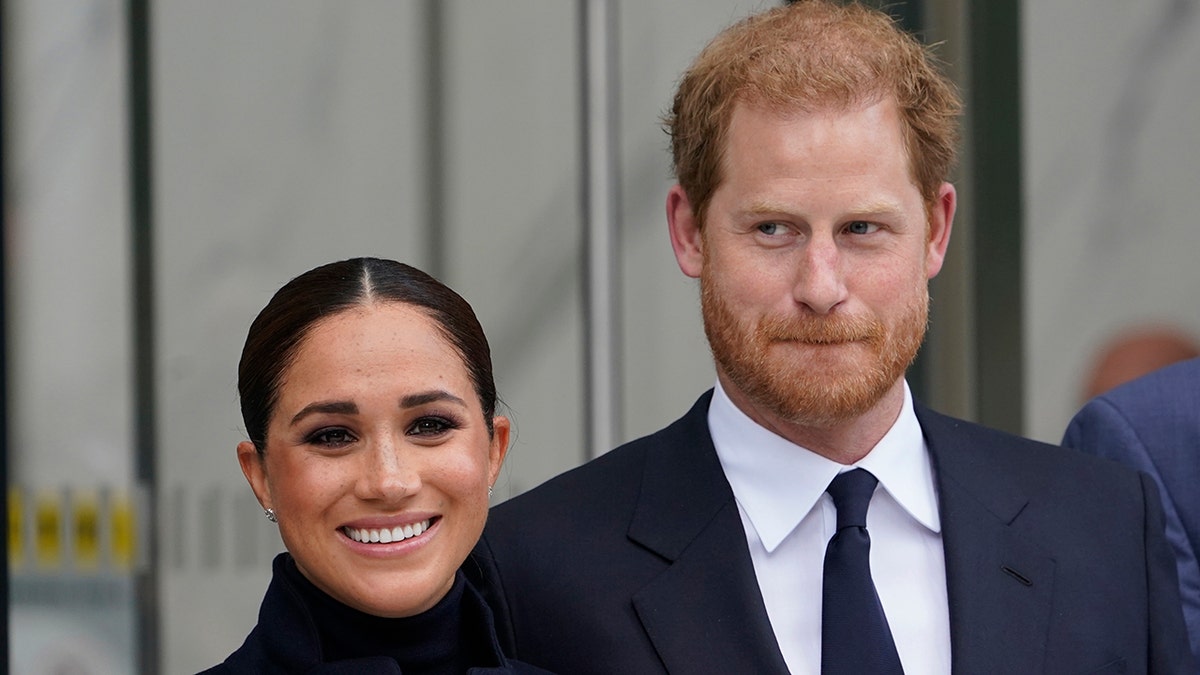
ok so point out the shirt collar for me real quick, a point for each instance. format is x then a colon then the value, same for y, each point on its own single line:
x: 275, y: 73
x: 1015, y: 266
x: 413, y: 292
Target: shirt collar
x: 777, y: 482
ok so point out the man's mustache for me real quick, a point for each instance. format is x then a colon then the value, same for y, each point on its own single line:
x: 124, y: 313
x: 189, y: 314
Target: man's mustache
x: 820, y: 330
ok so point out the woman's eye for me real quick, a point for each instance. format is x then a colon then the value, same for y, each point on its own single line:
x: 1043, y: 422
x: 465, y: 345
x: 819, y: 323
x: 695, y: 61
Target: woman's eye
x: 331, y: 438
x: 861, y: 227
x: 431, y: 426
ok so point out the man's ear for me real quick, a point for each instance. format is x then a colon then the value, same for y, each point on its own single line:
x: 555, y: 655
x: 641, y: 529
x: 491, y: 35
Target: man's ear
x: 255, y: 471
x: 941, y: 221
x: 686, y: 238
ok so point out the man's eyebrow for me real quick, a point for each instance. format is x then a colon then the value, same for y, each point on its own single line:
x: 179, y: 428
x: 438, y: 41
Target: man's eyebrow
x: 761, y: 206
x: 874, y: 207
x: 414, y: 400
x: 880, y: 207
x: 333, y: 407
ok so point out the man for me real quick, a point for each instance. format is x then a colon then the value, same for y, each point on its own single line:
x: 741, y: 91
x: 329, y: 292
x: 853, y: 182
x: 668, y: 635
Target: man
x: 812, y: 145
x: 1153, y: 424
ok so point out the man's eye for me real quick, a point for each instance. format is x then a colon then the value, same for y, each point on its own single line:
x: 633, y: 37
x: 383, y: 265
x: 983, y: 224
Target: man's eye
x: 769, y: 228
x: 861, y: 227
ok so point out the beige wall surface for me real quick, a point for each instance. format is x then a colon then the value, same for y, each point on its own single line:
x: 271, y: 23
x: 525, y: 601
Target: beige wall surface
x: 1111, y: 177
x: 288, y: 133
x: 292, y: 133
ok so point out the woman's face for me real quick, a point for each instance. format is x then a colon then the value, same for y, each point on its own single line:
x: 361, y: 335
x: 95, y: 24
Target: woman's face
x: 378, y: 460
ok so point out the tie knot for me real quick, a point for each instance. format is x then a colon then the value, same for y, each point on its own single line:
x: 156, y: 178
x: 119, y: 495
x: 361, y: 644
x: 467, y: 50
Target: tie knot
x: 851, y: 492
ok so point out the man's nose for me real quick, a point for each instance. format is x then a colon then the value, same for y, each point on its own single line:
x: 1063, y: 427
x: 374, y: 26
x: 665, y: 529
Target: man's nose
x: 820, y: 284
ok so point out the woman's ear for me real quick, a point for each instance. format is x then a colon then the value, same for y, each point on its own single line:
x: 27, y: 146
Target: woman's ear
x: 254, y: 468
x: 498, y: 450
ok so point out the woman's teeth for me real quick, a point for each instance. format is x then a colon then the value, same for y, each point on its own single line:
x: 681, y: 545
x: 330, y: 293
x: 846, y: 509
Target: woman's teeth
x: 386, y: 536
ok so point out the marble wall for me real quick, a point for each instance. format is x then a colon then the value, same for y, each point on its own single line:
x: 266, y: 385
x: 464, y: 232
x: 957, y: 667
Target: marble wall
x: 293, y: 132
x: 1112, y: 184
x: 287, y: 134
x: 68, y: 321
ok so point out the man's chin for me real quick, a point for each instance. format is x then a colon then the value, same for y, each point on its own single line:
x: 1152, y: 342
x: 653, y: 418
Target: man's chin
x: 823, y: 391
x: 824, y: 407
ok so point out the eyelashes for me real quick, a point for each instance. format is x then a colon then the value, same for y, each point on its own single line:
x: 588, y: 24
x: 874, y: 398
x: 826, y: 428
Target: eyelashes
x: 330, y: 437
x: 432, y: 426
x: 424, y: 428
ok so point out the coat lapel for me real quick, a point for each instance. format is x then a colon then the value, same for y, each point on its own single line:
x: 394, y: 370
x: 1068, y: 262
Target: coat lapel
x: 704, y: 613
x: 1000, y: 585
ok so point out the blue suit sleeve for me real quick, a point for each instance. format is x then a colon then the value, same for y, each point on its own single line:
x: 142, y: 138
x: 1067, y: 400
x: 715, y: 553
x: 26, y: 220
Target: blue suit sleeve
x: 1101, y: 429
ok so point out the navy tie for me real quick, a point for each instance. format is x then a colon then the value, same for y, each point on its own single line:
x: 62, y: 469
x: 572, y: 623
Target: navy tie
x: 855, y: 639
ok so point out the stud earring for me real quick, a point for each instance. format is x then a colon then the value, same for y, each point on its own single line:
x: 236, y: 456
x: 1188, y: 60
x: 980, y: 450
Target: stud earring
x: 270, y: 514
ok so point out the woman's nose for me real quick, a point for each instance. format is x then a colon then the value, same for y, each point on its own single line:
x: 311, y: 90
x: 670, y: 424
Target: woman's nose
x: 388, y: 474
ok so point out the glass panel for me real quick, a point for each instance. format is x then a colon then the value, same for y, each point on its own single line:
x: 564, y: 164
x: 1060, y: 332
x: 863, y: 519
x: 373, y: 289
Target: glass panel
x: 74, y: 524
x: 288, y: 134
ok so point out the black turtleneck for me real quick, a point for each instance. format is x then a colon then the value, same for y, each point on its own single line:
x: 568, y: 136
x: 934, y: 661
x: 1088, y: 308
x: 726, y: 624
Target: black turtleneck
x: 447, y: 639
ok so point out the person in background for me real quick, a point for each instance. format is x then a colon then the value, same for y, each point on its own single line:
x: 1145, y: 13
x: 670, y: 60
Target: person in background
x: 807, y: 515
x: 1152, y: 424
x: 367, y: 393
x: 1135, y: 352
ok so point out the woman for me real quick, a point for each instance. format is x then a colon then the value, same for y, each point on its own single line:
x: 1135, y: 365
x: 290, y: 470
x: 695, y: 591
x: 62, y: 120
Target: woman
x: 366, y: 389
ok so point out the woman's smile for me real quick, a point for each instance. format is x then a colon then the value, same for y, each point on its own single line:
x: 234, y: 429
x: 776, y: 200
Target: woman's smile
x: 388, y: 535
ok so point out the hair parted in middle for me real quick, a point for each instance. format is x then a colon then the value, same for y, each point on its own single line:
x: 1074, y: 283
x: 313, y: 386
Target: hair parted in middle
x: 282, y: 326
x: 811, y: 56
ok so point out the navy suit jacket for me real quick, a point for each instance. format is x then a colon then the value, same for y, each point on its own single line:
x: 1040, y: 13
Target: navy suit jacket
x: 637, y: 562
x: 1153, y: 425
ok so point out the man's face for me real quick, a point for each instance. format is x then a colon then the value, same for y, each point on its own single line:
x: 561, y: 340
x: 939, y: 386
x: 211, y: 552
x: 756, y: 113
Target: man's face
x: 814, y: 261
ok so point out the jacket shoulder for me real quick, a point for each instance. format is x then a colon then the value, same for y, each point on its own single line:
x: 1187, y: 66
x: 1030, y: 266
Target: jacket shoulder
x: 968, y: 449
x: 608, y: 484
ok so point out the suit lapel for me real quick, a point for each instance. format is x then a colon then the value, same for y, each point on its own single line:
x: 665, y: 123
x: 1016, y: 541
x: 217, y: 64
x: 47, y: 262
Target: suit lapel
x: 1000, y: 585
x: 704, y: 613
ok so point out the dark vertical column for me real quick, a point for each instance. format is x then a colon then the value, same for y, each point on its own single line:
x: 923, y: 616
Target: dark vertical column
x: 3, y: 338
x: 145, y: 406
x: 994, y: 104
x: 435, y: 138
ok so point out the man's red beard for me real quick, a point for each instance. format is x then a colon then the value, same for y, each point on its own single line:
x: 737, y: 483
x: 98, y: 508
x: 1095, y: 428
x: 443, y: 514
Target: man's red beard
x: 812, y: 371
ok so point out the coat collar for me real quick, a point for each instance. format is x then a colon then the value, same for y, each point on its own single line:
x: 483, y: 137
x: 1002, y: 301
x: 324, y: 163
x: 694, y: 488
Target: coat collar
x: 286, y: 639
x: 999, y: 584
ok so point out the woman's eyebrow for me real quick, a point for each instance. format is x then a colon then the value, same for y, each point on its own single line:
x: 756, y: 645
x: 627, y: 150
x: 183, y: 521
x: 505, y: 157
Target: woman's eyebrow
x: 414, y: 400
x: 333, y: 407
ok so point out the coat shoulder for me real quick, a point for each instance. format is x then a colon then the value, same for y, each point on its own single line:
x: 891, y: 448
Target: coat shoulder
x: 1006, y: 471
x: 607, y: 487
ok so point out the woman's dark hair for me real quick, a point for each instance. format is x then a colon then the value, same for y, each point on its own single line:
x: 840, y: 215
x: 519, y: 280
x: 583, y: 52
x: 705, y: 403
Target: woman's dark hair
x: 277, y: 331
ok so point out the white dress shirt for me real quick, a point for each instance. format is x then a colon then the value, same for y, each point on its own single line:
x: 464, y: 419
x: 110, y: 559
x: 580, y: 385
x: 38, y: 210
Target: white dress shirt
x: 789, y: 519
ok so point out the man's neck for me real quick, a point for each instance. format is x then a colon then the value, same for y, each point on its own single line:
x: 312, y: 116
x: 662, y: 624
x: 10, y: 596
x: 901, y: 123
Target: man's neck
x: 844, y: 442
